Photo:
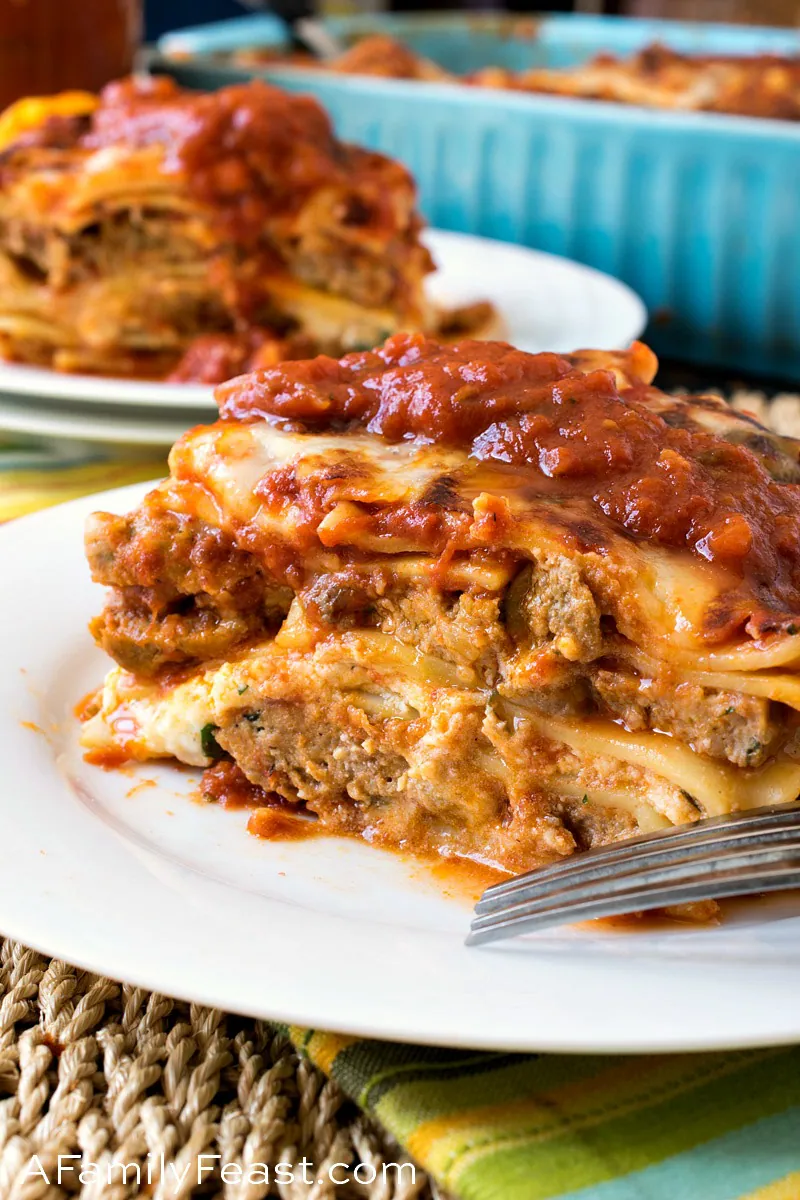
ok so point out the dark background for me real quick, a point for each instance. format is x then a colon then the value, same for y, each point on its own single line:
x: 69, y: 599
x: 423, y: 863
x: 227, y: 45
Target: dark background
x: 163, y: 15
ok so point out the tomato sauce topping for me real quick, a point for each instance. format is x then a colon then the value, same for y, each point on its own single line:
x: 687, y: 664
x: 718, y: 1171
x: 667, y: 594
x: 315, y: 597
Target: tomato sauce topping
x: 249, y: 152
x: 567, y: 432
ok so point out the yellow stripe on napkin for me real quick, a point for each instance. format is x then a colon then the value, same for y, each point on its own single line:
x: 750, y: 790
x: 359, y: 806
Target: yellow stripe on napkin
x: 782, y: 1189
x: 28, y: 490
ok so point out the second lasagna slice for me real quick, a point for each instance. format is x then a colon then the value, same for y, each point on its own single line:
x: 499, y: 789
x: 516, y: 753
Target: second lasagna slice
x: 155, y: 231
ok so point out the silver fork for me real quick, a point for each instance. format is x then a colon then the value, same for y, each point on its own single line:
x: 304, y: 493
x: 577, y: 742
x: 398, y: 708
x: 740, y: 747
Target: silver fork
x: 714, y: 858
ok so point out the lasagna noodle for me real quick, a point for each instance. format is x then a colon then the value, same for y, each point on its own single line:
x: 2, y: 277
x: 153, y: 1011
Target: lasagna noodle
x: 717, y: 787
x: 779, y: 686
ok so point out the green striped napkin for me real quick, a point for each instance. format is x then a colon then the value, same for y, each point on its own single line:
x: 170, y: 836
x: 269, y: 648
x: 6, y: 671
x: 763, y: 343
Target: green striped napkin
x: 532, y: 1127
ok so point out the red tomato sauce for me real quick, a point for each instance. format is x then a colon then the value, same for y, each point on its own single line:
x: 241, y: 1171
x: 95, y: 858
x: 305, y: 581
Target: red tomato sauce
x: 565, y: 434
x: 247, y: 152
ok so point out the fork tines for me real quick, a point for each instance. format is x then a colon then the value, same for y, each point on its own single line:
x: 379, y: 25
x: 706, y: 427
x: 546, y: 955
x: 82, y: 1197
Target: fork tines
x: 711, y: 859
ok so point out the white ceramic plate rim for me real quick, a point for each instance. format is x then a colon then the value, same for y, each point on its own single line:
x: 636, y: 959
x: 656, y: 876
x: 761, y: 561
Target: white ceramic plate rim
x: 122, y: 428
x: 72, y: 886
x: 619, y: 311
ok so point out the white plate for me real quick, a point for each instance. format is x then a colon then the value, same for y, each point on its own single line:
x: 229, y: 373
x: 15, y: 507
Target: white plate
x: 147, y: 886
x: 94, y: 424
x: 547, y: 303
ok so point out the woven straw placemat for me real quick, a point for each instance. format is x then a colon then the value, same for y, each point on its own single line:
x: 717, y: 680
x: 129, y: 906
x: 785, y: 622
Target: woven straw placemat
x: 113, y: 1074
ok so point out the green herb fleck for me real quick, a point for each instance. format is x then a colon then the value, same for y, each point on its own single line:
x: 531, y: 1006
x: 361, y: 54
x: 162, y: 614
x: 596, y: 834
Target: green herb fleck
x: 753, y: 748
x: 728, y: 711
x: 242, y: 690
x: 792, y: 629
x: 252, y: 716
x: 208, y: 743
x: 585, y: 799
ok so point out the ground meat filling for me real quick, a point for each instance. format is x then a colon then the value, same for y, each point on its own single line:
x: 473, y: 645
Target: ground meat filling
x: 97, y: 250
x: 297, y: 752
x: 553, y: 608
x: 321, y: 260
x: 183, y: 593
x: 379, y: 781
x: 143, y: 633
x: 742, y: 729
x: 552, y: 601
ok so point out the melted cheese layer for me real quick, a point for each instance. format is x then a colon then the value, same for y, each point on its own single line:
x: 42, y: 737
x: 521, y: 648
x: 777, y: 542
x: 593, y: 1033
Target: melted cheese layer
x: 657, y: 597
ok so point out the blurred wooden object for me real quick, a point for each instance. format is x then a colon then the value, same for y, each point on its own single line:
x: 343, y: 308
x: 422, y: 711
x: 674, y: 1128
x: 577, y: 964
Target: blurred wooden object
x: 739, y: 12
x: 52, y: 45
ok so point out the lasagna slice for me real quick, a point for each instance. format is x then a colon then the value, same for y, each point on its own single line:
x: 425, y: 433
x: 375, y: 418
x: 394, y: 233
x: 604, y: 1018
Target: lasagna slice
x: 463, y: 600
x: 155, y: 231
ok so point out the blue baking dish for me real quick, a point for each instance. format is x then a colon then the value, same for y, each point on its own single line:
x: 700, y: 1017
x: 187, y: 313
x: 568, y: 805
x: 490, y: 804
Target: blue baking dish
x: 699, y: 213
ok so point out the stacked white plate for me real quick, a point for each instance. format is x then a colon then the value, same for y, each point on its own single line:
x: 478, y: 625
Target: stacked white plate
x: 546, y: 303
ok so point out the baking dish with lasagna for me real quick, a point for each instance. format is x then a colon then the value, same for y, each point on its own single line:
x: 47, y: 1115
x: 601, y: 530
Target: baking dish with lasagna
x: 657, y: 76
x: 156, y: 232
x: 463, y: 600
